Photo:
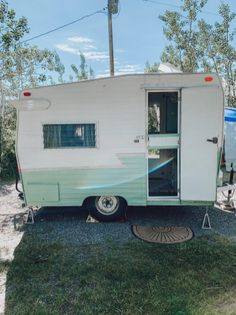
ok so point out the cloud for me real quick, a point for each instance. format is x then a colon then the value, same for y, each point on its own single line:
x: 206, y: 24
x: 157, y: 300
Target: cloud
x: 81, y: 40
x: 66, y: 48
x: 117, y: 50
x: 125, y: 69
x: 129, y: 69
x: 78, y: 44
x: 88, y: 47
x: 89, y: 55
x: 84, y: 43
x: 96, y: 55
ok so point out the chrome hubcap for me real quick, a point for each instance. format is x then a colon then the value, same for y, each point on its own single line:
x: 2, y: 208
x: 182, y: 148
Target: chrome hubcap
x: 107, y: 205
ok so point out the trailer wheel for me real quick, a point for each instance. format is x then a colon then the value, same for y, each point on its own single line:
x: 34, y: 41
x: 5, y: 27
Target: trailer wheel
x: 108, y: 208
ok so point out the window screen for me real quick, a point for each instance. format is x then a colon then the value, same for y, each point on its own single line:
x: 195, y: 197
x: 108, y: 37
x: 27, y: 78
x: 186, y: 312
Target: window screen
x: 69, y: 135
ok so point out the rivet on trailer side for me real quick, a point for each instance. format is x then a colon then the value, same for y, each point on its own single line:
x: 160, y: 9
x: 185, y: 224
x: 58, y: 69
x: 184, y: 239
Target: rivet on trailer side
x: 137, y: 140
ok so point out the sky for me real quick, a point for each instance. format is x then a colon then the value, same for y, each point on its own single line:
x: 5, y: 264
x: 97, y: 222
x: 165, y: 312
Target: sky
x: 137, y: 30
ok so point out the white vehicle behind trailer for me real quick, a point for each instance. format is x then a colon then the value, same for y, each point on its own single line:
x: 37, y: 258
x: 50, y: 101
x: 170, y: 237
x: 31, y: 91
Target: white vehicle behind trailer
x: 146, y: 139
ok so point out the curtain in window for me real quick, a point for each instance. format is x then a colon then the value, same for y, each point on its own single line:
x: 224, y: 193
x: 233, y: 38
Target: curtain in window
x: 52, y: 136
x: 88, y: 131
x: 69, y: 135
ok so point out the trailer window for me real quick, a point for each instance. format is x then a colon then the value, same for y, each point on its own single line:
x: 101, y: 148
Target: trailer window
x: 69, y: 135
x: 162, y: 112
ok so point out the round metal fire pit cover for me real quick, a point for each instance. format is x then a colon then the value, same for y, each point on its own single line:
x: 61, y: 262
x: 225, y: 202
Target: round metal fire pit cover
x: 164, y: 235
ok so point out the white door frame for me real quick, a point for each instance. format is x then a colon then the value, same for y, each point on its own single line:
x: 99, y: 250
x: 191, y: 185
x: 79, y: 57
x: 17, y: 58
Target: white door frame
x: 178, y: 146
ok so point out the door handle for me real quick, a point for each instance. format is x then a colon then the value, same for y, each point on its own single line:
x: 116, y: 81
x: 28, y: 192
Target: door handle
x: 213, y: 140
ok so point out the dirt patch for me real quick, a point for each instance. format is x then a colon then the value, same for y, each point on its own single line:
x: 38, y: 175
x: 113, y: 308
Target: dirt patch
x: 3, y: 277
x: 11, y: 218
x: 11, y: 213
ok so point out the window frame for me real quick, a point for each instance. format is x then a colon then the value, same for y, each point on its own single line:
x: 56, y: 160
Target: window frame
x: 61, y: 122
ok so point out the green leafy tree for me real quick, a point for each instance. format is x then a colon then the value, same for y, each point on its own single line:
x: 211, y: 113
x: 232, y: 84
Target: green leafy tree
x: 218, y: 51
x: 30, y: 67
x: 195, y: 45
x: 83, y: 72
x: 151, y: 68
x: 182, y: 33
x: 21, y: 66
x: 59, y: 68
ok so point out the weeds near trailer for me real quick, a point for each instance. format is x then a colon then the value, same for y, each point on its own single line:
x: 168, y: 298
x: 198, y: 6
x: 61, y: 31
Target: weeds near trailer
x: 197, y: 277
x: 4, y: 266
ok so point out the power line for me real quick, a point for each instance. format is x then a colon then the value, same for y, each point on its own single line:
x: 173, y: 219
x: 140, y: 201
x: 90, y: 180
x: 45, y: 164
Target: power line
x: 64, y: 25
x: 163, y: 3
x: 103, y: 11
x: 177, y: 6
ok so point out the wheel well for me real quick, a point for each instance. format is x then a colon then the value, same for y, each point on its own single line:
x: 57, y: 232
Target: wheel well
x: 124, y: 200
x: 87, y: 201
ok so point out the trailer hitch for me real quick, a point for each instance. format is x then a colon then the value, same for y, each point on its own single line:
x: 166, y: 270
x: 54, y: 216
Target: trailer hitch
x: 213, y: 140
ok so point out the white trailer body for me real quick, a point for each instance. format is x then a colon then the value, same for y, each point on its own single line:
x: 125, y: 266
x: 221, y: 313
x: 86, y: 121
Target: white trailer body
x: 152, y: 139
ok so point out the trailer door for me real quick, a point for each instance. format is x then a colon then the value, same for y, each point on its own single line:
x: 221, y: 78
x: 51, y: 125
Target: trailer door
x: 199, y: 136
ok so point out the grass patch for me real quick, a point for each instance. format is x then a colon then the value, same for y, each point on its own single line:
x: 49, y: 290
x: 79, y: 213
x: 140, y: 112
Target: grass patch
x: 4, y: 265
x: 127, y: 278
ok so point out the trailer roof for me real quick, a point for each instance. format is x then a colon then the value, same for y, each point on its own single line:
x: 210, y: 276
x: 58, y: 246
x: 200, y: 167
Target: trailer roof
x: 215, y: 75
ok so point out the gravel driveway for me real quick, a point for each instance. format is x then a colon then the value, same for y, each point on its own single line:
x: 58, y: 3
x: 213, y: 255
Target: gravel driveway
x: 68, y: 225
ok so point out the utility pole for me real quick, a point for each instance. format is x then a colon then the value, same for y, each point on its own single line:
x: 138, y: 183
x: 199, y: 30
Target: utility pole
x: 112, y: 9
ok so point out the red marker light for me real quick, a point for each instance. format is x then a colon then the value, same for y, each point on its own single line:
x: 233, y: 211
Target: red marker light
x: 208, y: 79
x: 27, y: 94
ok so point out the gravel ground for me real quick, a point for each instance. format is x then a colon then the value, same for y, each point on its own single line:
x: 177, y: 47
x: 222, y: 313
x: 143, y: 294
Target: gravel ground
x: 68, y: 225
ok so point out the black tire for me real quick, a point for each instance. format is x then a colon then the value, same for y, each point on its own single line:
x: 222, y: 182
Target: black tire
x: 107, y: 208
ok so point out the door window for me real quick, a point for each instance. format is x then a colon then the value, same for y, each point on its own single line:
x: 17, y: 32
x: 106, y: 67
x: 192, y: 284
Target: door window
x: 162, y: 172
x: 162, y: 112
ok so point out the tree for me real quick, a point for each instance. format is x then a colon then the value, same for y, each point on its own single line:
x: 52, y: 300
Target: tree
x: 196, y: 45
x: 218, y: 52
x: 21, y: 66
x: 30, y: 66
x: 182, y: 32
x: 151, y: 68
x: 59, y: 68
x: 20, y: 62
x: 83, y: 72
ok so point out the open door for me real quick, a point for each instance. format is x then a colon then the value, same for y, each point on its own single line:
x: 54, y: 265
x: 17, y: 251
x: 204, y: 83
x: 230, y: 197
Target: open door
x: 200, y: 125
x: 163, y: 144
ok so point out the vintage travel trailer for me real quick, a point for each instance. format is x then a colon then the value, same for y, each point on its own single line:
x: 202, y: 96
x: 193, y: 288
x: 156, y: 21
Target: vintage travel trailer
x: 137, y: 140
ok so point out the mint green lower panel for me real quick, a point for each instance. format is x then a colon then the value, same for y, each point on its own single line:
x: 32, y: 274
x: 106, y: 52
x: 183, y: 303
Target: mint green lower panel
x: 70, y: 187
x: 179, y: 203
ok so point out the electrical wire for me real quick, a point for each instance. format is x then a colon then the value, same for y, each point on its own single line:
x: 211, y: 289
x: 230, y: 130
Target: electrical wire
x: 103, y: 11
x: 176, y: 6
x: 163, y: 3
x: 64, y: 25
